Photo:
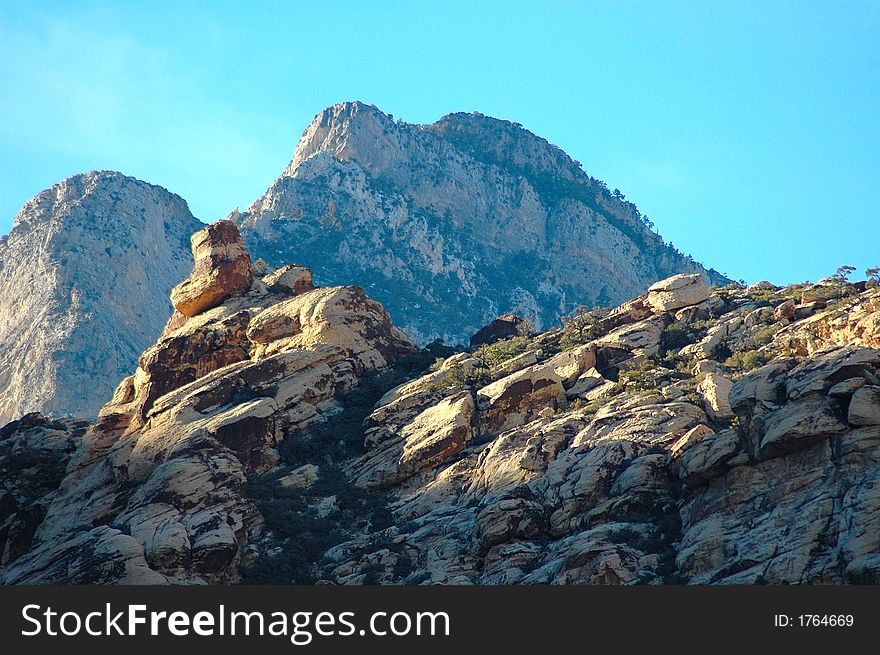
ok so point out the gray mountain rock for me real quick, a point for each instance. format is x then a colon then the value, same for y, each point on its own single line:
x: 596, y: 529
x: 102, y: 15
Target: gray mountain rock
x: 453, y: 223
x: 84, y: 281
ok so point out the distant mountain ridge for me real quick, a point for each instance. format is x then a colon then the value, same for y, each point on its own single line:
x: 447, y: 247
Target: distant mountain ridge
x: 84, y: 281
x: 453, y: 223
x: 449, y: 225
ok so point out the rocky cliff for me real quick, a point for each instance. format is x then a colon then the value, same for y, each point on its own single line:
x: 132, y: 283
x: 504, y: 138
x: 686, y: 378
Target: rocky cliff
x: 283, y: 432
x: 449, y: 225
x: 453, y: 223
x: 156, y: 489
x: 84, y: 281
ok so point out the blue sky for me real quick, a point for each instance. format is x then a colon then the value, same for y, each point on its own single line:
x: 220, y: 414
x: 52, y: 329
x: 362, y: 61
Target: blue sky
x: 748, y: 132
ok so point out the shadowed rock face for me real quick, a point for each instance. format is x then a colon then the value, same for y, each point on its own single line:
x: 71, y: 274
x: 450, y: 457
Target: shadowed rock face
x: 502, y: 327
x: 452, y: 224
x: 84, y: 282
x: 34, y: 452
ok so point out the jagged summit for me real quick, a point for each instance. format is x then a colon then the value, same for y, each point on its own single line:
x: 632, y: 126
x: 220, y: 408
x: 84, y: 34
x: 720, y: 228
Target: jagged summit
x: 454, y: 223
x: 449, y: 225
x: 333, y: 128
x: 84, y: 278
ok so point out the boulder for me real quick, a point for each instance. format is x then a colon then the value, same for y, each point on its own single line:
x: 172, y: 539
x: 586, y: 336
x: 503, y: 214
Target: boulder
x: 300, y: 478
x: 706, y: 457
x: 785, y: 311
x: 798, y: 424
x: 864, y: 407
x: 689, y: 438
x: 519, y: 397
x: 503, y: 327
x: 508, y: 519
x: 764, y: 384
x: 847, y: 387
x: 678, y: 291
x: 290, y: 279
x: 586, y: 382
x: 342, y: 316
x: 406, y: 444
x: 716, y: 335
x: 642, y: 337
x: 222, y: 270
x: 715, y: 390
x: 570, y: 364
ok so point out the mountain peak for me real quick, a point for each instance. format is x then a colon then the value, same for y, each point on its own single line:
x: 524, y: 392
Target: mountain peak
x: 51, y: 202
x: 453, y: 223
x: 339, y: 130
x: 84, y: 280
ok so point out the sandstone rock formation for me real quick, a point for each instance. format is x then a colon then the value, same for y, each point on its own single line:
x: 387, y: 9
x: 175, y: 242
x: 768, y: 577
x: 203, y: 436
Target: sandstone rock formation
x: 636, y: 487
x: 156, y: 488
x: 222, y: 270
x: 454, y: 223
x: 279, y: 431
x: 84, y: 282
x: 285, y: 435
x: 677, y: 291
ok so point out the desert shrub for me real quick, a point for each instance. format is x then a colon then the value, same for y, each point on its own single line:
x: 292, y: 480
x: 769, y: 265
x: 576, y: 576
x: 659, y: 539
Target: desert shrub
x: 647, y: 377
x: 675, y: 336
x: 746, y: 360
x: 765, y: 335
x: 461, y: 376
x: 500, y: 351
x: 582, y: 326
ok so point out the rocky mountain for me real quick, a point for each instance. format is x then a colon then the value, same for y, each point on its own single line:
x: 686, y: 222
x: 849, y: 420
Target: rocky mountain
x: 284, y: 432
x: 451, y: 224
x: 84, y: 281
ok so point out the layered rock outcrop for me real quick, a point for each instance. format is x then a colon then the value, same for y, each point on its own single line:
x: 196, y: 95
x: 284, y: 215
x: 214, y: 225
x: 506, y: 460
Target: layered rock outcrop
x: 84, y: 282
x: 156, y: 488
x: 707, y: 471
x: 279, y: 431
x: 281, y: 436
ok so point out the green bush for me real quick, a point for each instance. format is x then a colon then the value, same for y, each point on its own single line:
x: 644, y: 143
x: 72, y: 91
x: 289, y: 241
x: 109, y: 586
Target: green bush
x: 746, y: 360
x: 676, y: 336
x: 500, y: 351
x: 582, y: 326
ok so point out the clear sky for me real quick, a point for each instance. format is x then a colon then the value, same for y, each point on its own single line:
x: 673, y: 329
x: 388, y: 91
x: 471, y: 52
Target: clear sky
x: 749, y: 132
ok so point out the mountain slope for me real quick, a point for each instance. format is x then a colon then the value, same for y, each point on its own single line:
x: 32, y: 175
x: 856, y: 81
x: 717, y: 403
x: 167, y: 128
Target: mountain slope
x: 84, y: 281
x: 282, y: 433
x: 451, y: 224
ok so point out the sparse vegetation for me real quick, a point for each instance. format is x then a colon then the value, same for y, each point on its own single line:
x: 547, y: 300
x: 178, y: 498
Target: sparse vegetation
x: 647, y: 377
x: 500, y: 351
x: 841, y: 275
x: 675, y: 337
x: 462, y: 376
x: 300, y: 533
x: 582, y: 326
x: 746, y: 360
